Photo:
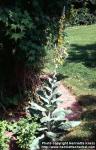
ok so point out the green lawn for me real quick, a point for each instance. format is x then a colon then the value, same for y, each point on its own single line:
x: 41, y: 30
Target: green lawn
x: 80, y: 75
x: 80, y: 68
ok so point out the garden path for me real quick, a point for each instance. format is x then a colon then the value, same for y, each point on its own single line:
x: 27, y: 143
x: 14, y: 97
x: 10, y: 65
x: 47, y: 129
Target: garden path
x: 69, y: 102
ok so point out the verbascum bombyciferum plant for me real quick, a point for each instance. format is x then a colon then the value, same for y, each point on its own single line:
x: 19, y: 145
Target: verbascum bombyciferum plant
x: 51, y: 118
x: 60, y: 52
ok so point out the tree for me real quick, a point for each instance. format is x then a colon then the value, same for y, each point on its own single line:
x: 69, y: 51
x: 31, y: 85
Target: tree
x: 23, y: 38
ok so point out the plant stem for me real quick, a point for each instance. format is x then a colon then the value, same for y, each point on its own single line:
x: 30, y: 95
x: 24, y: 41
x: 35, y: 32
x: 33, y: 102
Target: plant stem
x: 49, y: 123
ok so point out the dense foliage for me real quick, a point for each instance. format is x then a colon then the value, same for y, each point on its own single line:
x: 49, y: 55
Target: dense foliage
x: 28, y: 29
x: 3, y: 138
x: 25, y: 27
x: 52, y: 118
x: 21, y: 50
x: 82, y: 15
x: 25, y: 130
x: 23, y: 37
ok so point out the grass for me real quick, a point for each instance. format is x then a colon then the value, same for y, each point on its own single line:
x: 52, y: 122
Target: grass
x: 80, y: 66
x: 80, y: 75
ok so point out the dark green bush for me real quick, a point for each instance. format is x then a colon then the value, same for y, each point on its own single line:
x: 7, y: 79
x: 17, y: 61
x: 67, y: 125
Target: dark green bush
x: 21, y: 52
x: 81, y: 17
x: 23, y: 36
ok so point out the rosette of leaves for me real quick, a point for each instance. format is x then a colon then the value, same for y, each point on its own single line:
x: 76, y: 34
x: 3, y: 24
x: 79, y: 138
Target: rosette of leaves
x: 52, y: 118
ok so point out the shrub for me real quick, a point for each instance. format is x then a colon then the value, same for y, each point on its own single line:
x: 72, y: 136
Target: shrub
x: 25, y: 131
x: 81, y: 16
x: 21, y: 53
x: 3, y: 138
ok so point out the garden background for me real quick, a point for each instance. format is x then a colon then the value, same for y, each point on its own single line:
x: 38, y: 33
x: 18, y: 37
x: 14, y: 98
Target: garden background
x: 35, y: 36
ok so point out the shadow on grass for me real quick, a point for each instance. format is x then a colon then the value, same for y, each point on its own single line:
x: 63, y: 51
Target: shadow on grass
x: 85, y: 54
x: 86, y: 130
x: 88, y: 102
x: 61, y: 76
x: 92, y: 85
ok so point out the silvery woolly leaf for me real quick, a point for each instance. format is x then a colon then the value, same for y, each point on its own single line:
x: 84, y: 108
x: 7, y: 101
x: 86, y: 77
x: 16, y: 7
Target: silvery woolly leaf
x: 43, y: 113
x: 47, y: 88
x: 58, y: 112
x: 37, y: 107
x: 35, y: 143
x: 45, y: 119
x: 59, y: 118
x: 56, y: 94
x: 67, y: 111
x: 51, y: 135
x: 65, y: 125
x: 39, y: 92
x: 53, y: 100
x: 42, y: 129
x: 60, y: 101
x: 57, y: 101
x: 44, y: 99
x: 42, y: 95
x: 48, y: 106
x: 54, y: 81
x: 46, y: 95
x: 55, y: 86
x: 75, y: 123
x: 50, y: 80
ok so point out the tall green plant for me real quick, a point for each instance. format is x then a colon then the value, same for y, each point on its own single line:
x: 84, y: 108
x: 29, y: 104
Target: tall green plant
x: 60, y: 53
x: 52, y: 118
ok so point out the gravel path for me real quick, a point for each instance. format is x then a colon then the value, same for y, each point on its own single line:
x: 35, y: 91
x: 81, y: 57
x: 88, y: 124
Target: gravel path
x: 69, y: 102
